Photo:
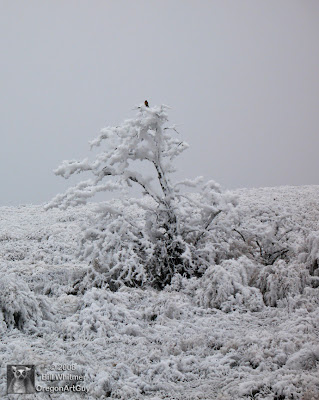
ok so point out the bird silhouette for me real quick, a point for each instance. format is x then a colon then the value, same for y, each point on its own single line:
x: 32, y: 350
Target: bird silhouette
x: 146, y: 103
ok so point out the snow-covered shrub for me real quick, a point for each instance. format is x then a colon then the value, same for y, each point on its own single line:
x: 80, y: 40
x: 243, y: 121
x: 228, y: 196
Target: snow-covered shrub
x: 266, y: 235
x: 56, y: 280
x: 226, y: 286
x: 305, y: 359
x: 311, y: 254
x: 281, y: 281
x: 308, y: 300
x: 19, y: 307
x: 172, y: 231
x: 112, y: 241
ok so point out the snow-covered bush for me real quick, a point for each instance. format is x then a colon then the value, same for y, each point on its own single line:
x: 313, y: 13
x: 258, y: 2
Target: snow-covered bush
x: 281, y: 281
x: 225, y: 286
x: 265, y: 237
x: 311, y: 254
x: 304, y: 359
x: 19, y: 307
x: 166, y: 232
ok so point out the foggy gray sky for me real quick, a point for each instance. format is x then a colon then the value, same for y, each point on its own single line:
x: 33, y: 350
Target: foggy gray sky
x: 242, y: 78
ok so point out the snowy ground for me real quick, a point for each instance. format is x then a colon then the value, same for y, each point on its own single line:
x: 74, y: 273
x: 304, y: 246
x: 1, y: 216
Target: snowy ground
x: 144, y: 344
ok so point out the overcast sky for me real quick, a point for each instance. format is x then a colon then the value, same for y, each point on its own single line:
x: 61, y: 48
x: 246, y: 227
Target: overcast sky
x: 242, y: 78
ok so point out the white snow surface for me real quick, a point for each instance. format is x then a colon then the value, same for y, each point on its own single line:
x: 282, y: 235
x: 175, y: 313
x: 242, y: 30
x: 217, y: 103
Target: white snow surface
x: 148, y: 344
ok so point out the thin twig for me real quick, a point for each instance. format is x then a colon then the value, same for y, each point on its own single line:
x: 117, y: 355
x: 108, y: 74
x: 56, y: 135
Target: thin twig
x: 239, y: 233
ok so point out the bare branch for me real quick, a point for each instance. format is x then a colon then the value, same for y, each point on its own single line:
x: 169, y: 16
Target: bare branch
x: 210, y: 220
x: 239, y: 233
x: 260, y: 248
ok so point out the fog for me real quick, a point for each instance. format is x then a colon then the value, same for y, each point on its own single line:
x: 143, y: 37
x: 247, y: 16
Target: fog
x: 242, y: 79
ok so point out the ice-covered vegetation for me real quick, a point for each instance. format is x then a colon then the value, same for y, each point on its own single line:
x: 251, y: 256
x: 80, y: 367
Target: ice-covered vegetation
x: 200, y: 294
x: 242, y: 330
x: 169, y: 231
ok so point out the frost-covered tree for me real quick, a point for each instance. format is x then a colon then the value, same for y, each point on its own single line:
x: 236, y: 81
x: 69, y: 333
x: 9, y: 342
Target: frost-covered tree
x: 165, y: 232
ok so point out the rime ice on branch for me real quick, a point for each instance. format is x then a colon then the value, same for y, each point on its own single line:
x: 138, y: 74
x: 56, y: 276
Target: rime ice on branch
x: 144, y: 139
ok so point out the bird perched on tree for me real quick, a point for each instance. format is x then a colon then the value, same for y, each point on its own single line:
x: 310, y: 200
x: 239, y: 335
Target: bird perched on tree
x: 146, y: 103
